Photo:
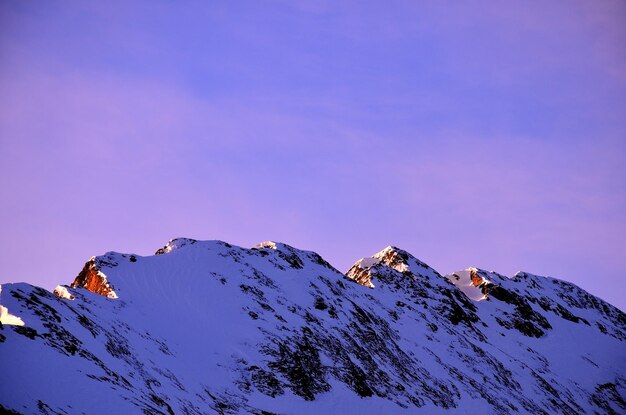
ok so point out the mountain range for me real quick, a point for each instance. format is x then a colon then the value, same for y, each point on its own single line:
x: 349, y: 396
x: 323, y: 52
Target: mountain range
x: 206, y: 327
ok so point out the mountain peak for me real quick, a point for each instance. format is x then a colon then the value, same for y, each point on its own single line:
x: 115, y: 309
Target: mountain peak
x: 392, y: 258
x: 175, y: 243
x: 395, y: 258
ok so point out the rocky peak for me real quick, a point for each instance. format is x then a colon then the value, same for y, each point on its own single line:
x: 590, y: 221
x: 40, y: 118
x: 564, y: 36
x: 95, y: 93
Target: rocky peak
x: 93, y: 279
x: 395, y: 258
x: 386, y: 265
x: 361, y: 272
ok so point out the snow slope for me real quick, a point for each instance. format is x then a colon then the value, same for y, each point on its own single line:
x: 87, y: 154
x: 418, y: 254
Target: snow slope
x: 206, y: 327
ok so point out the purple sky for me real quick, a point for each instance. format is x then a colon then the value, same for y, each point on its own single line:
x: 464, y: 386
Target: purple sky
x: 487, y: 134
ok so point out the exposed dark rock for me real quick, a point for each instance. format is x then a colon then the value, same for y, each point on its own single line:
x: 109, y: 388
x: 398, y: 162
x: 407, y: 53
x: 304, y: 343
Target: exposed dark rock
x: 265, y: 381
x: 26, y: 331
x: 299, y: 361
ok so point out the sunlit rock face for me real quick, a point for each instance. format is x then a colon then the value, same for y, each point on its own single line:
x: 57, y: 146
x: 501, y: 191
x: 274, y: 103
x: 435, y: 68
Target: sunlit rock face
x: 470, y: 283
x: 208, y: 327
x: 93, y: 279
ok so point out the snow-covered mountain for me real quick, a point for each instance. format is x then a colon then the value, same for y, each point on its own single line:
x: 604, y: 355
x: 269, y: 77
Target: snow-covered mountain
x: 206, y: 327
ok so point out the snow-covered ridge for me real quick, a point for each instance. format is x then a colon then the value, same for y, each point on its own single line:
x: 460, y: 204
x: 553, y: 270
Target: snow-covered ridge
x: 210, y: 327
x: 473, y: 283
x: 100, y: 273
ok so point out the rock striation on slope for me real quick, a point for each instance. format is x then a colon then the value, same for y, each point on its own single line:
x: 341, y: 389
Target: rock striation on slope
x: 205, y: 327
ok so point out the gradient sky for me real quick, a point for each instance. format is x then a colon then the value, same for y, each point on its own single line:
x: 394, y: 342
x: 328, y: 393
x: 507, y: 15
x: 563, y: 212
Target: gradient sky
x: 487, y: 134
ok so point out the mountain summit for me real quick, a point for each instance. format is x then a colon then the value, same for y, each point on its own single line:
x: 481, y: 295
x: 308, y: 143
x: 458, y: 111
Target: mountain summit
x: 206, y: 327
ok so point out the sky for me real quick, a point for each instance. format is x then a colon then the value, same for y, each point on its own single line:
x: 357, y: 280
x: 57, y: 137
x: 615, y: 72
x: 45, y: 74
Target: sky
x: 478, y: 133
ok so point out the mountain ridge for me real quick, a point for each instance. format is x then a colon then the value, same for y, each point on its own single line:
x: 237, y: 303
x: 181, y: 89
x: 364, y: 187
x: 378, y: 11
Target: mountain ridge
x: 210, y: 327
